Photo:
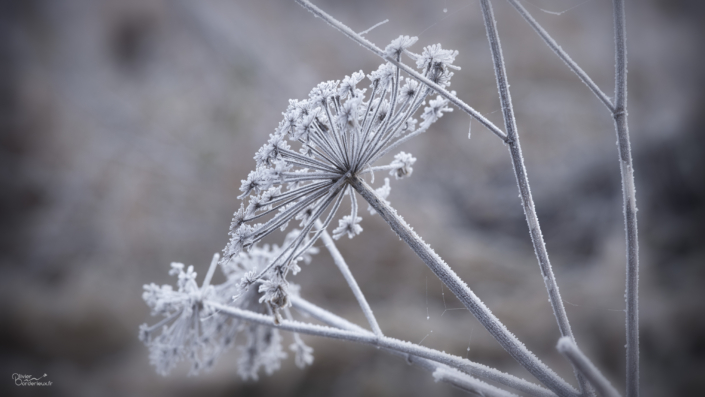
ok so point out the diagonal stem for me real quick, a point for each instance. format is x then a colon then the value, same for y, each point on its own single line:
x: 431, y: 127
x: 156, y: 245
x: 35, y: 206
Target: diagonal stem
x: 469, y: 383
x: 317, y: 312
x: 352, y: 283
x: 345, y: 330
x: 551, y: 43
x: 505, y: 338
x: 377, y: 51
x: 554, y: 295
x: 568, y: 348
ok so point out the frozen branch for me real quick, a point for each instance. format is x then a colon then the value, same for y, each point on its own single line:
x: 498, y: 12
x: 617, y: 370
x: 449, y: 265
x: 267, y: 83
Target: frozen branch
x: 562, y: 54
x: 554, y: 295
x: 568, y: 348
x: 343, y: 267
x: 505, y: 338
x: 629, y: 200
x: 431, y: 362
x: 304, y: 306
x: 478, y: 387
x: 379, y: 52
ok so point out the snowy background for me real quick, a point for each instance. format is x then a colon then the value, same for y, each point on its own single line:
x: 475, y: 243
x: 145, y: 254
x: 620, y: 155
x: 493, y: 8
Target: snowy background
x: 126, y: 127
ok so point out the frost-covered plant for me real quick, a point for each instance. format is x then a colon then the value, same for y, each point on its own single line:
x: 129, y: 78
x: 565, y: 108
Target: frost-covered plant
x: 338, y: 134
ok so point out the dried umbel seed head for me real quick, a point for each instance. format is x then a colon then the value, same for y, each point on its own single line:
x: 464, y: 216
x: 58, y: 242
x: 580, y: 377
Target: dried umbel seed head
x: 302, y: 174
x: 275, y: 292
x: 340, y: 133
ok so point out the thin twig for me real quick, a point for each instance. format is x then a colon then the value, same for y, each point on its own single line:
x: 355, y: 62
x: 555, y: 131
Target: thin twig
x: 568, y: 348
x: 554, y: 295
x: 211, y: 270
x: 629, y: 199
x: 464, y: 365
x: 304, y: 306
x: 377, y: 51
x: 469, y: 383
x: 562, y: 54
x: 350, y: 279
x: 505, y: 338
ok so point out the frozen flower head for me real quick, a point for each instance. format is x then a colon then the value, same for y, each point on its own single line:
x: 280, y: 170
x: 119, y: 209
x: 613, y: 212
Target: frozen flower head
x: 192, y: 330
x: 399, y: 45
x: 302, y: 175
x: 347, y: 87
x: 436, y: 61
x: 347, y: 226
x: 402, y: 165
x: 338, y: 133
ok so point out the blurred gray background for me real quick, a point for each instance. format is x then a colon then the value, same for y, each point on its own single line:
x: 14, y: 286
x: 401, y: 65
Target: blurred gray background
x: 126, y: 127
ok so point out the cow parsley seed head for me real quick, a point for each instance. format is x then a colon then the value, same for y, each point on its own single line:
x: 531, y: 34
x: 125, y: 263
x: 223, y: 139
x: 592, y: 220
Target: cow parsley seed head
x: 267, y: 153
x: 383, y: 75
x: 269, y: 195
x: 399, y: 45
x: 247, y: 279
x: 242, y: 237
x: 190, y: 330
x: 340, y: 134
x: 348, y: 115
x: 348, y: 225
x: 307, y: 123
x: 437, y: 62
x: 238, y: 218
x: 275, y: 292
x: 408, y: 90
x: 320, y: 94
x: 301, y: 173
x: 435, y: 56
x: 435, y: 111
x: 256, y: 181
x: 347, y: 86
x: 402, y: 165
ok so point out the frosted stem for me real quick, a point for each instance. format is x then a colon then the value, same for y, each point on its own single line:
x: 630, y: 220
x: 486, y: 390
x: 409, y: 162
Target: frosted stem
x: 554, y: 295
x: 568, y: 348
x: 413, y: 73
x: 211, y: 270
x: 420, y: 355
x: 478, y: 387
x: 629, y: 198
x: 562, y: 54
x: 505, y: 338
x: 352, y: 283
x: 304, y: 306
